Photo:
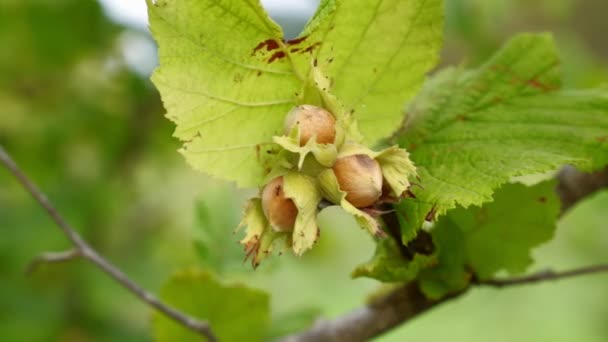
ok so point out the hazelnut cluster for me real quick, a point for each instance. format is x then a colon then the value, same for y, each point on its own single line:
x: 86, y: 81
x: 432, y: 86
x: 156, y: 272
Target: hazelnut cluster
x: 319, y: 161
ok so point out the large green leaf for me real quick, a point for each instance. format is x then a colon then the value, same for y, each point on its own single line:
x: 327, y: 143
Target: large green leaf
x: 235, y: 312
x: 480, y: 241
x: 227, y: 96
x: 377, y: 54
x: 469, y: 132
x: 227, y: 77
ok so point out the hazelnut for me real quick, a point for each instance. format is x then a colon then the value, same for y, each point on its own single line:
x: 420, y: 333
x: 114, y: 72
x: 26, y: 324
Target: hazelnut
x: 280, y: 211
x: 312, y: 121
x: 360, y: 177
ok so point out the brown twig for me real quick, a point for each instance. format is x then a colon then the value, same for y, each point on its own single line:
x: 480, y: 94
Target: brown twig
x: 382, y: 315
x: 575, y: 185
x: 544, y: 276
x: 405, y: 303
x: 52, y: 258
x: 84, y: 250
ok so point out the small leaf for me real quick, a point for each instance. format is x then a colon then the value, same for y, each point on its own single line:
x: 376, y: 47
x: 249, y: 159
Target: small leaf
x: 388, y: 265
x: 495, y: 237
x: 449, y: 275
x: 235, y: 312
x: 397, y: 169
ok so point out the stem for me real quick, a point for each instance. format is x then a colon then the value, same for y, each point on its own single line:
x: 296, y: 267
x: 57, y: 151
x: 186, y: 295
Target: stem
x: 544, y: 276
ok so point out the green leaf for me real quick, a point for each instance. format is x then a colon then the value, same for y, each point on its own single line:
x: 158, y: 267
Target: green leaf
x: 470, y: 132
x: 235, y: 312
x: 220, y: 83
x: 376, y: 54
x: 397, y: 169
x: 228, y: 80
x: 449, y: 275
x: 388, y: 265
x: 498, y: 236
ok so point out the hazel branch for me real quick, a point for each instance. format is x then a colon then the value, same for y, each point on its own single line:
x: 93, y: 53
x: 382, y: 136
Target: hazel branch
x: 84, y: 250
x: 542, y: 276
x: 52, y: 258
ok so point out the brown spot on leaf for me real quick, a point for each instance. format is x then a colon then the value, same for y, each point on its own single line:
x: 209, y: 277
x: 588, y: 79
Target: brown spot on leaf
x: 430, y: 216
x: 296, y: 40
x: 602, y: 139
x: 534, y: 83
x: 269, y: 44
x: 312, y: 47
x: 542, y: 199
x: 275, y: 56
x: 408, y: 194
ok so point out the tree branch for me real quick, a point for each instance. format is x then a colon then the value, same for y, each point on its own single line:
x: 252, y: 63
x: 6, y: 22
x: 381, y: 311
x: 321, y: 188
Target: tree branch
x: 407, y: 301
x: 544, y: 276
x: 52, y: 258
x: 377, y: 317
x: 575, y: 185
x: 84, y: 250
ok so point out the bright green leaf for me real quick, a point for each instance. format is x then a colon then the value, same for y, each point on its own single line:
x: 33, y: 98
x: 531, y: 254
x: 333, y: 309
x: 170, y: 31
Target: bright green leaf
x: 235, y: 312
x: 388, y: 265
x: 376, y: 54
x: 229, y: 99
x: 470, y: 132
x: 498, y: 236
x: 220, y: 83
x: 449, y: 275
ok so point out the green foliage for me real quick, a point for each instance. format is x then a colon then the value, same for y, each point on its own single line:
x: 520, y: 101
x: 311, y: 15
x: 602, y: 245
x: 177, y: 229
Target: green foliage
x: 377, y: 53
x: 235, y: 312
x: 481, y: 241
x: 226, y: 100
x: 470, y: 131
x: 389, y: 265
x: 90, y: 134
x: 229, y: 100
x: 44, y: 42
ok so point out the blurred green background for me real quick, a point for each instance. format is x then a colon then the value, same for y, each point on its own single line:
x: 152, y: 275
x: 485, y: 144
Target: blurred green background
x: 78, y: 113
